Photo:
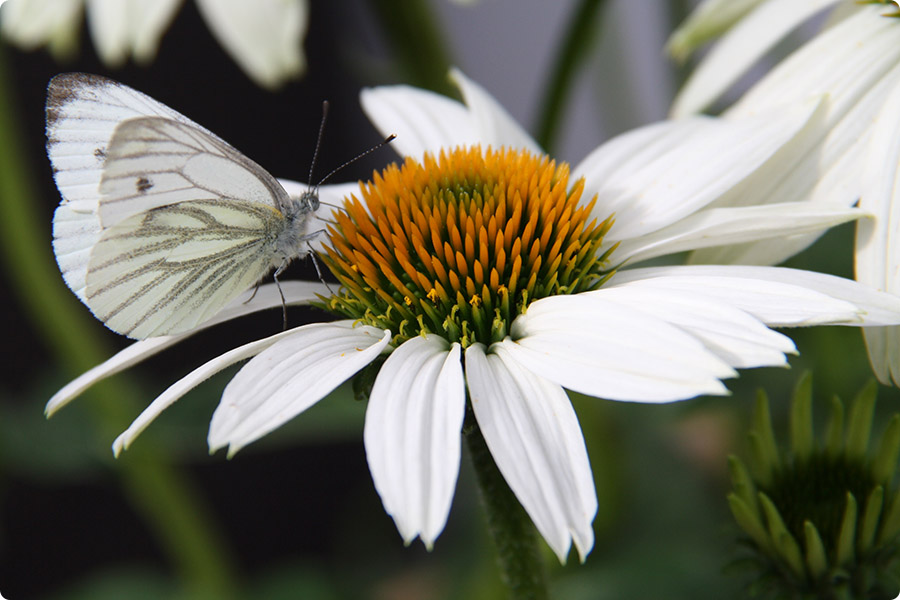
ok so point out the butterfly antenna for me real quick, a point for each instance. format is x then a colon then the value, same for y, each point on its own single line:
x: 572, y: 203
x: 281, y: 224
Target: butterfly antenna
x: 384, y: 142
x: 312, y: 165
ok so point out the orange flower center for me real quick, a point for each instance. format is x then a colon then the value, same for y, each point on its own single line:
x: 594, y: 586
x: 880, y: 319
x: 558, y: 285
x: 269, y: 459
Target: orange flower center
x: 460, y: 245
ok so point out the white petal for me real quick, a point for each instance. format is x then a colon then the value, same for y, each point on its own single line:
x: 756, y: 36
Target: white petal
x: 707, y: 21
x: 733, y: 335
x: 534, y: 437
x: 739, y: 49
x: 289, y: 377
x: 878, y: 240
x: 777, y: 296
x: 495, y: 126
x: 295, y: 292
x: 608, y: 350
x: 844, y: 62
x: 189, y: 382
x: 857, y: 63
x: 121, y: 28
x: 684, y: 175
x: 264, y: 37
x: 412, y: 434
x: 423, y: 121
x: 722, y: 226
x: 33, y: 23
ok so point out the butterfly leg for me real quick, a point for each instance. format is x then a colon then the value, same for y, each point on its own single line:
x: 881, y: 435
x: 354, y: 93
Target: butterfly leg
x: 278, y: 272
x: 253, y: 295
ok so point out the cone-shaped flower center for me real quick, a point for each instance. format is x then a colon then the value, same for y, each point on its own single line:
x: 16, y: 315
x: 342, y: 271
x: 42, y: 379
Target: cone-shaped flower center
x: 460, y: 245
x: 816, y: 490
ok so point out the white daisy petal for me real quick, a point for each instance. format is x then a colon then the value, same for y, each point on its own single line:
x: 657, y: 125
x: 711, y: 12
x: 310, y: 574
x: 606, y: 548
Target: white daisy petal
x: 605, y: 349
x: 777, y: 296
x: 739, y: 49
x: 721, y: 226
x: 856, y: 63
x: 878, y: 240
x: 267, y: 296
x: 264, y: 37
x: 866, y: 45
x: 31, y: 24
x: 534, y: 437
x: 289, y: 377
x: 695, y: 171
x: 122, y: 28
x: 412, y: 434
x: 423, y: 121
x: 626, y: 154
x: 493, y: 123
x: 733, y: 335
x: 189, y: 382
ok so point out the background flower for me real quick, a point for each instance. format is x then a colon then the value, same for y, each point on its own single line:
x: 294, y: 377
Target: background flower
x: 852, y: 157
x: 265, y: 40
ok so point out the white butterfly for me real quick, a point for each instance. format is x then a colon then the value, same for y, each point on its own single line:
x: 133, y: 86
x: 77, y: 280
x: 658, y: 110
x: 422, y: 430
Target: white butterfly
x: 162, y: 223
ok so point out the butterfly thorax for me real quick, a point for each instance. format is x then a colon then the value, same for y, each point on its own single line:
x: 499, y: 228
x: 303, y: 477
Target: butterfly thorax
x: 293, y: 241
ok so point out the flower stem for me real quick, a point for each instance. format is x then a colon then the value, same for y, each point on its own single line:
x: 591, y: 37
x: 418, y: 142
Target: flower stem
x: 165, y: 499
x: 521, y: 565
x: 417, y: 41
x: 577, y: 41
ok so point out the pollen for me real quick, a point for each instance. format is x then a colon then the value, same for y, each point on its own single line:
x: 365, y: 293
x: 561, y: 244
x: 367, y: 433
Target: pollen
x: 459, y: 245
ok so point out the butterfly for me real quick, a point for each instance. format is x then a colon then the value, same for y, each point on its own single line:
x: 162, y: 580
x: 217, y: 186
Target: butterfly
x: 162, y: 223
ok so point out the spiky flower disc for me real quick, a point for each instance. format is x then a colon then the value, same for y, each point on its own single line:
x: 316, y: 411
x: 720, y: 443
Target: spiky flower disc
x: 824, y: 520
x: 459, y: 245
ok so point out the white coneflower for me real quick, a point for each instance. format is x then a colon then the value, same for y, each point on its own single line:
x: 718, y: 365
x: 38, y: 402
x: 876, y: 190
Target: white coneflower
x: 494, y: 281
x: 851, y: 156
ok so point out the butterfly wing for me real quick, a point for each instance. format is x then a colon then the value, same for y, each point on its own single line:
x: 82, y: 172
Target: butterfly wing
x: 154, y: 161
x: 83, y: 111
x: 169, y: 269
x: 188, y: 223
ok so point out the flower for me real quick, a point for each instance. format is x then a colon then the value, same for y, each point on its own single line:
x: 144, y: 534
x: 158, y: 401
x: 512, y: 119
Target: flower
x: 851, y: 155
x: 708, y: 21
x: 835, y: 497
x: 484, y: 270
x: 265, y: 41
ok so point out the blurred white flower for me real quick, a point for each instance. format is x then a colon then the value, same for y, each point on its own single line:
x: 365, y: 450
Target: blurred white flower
x: 708, y: 21
x: 854, y: 63
x: 264, y: 37
x: 484, y: 274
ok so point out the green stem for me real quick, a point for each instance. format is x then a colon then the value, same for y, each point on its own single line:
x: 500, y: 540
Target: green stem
x: 577, y: 41
x: 417, y: 42
x: 521, y: 565
x: 172, y: 508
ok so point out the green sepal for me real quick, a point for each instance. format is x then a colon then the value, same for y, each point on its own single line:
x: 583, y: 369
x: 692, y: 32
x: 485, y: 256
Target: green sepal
x: 816, y: 556
x: 802, y: 440
x: 890, y: 526
x: 764, y: 451
x: 748, y: 520
x: 743, y: 484
x: 844, y: 551
x: 871, y: 516
x: 785, y: 544
x: 834, y: 432
x: 860, y: 423
x: 886, y: 459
